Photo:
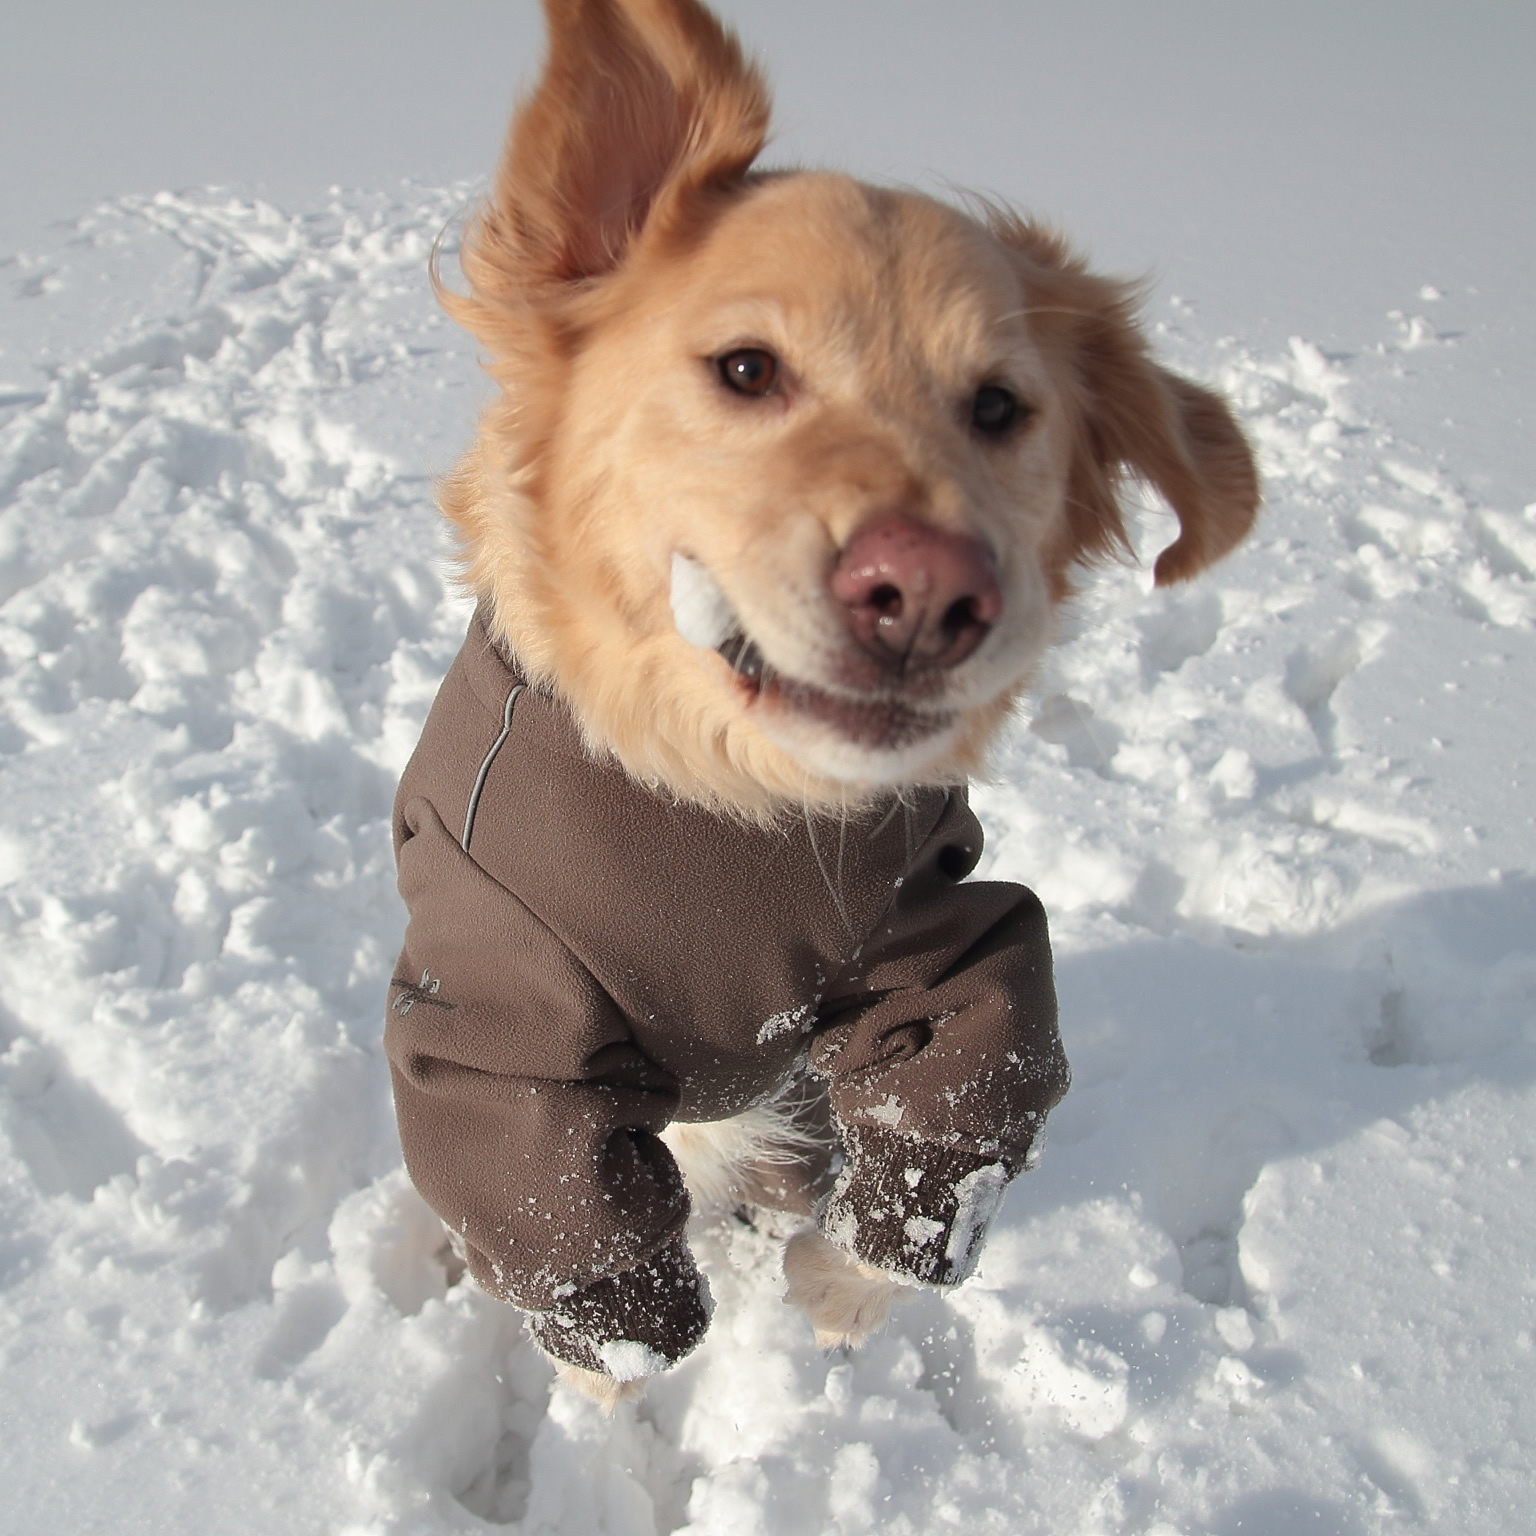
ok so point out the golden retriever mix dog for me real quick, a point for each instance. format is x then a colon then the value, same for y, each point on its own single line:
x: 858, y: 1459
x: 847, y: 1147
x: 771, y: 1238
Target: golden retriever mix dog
x: 786, y: 481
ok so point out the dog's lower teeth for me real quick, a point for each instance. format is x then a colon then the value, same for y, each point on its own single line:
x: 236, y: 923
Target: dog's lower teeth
x: 744, y: 656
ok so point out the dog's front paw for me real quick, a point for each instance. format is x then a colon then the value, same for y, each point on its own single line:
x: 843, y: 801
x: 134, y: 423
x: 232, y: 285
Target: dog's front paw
x: 845, y: 1300
x: 598, y: 1386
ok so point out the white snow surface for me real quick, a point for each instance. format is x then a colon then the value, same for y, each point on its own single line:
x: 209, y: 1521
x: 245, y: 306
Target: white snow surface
x: 1273, y: 1272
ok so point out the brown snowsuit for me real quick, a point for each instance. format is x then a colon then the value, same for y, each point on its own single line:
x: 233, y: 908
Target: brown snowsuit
x: 587, y: 961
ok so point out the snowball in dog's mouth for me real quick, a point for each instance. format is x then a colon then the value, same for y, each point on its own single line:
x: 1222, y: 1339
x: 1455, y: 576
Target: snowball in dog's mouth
x: 701, y: 611
x: 705, y: 618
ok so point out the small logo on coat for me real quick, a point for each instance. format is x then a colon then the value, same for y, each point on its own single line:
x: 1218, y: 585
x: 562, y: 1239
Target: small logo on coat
x: 413, y: 992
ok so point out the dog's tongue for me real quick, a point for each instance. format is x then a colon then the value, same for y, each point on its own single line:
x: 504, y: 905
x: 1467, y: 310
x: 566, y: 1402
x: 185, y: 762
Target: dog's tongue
x: 701, y: 611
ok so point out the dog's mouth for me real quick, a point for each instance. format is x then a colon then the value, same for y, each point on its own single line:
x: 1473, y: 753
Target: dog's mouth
x: 706, y: 618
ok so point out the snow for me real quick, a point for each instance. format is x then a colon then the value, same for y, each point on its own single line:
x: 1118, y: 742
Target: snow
x: 627, y: 1360
x: 704, y: 618
x: 791, y: 1019
x: 977, y: 1197
x: 1273, y: 1270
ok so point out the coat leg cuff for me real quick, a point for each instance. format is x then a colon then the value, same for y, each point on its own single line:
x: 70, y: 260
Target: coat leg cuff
x: 917, y: 1211
x: 633, y: 1324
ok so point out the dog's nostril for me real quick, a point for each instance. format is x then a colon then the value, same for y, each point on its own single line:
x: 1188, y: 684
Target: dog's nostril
x: 886, y: 600
x: 961, y: 615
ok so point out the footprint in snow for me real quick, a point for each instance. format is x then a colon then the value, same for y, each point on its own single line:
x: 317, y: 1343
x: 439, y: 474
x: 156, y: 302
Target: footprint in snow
x: 1183, y: 628
x: 1313, y: 674
x: 69, y: 1138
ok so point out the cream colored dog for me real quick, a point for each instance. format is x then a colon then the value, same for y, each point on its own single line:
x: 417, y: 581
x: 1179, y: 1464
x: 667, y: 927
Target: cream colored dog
x: 789, y: 475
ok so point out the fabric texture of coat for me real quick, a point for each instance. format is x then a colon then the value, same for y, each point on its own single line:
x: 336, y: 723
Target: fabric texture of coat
x: 587, y: 961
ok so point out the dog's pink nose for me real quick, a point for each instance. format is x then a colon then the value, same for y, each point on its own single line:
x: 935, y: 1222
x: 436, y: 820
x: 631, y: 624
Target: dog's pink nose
x: 916, y: 596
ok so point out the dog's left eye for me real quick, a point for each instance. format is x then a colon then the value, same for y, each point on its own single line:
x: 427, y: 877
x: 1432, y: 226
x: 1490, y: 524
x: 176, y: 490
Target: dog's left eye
x: 996, y: 411
x: 749, y: 370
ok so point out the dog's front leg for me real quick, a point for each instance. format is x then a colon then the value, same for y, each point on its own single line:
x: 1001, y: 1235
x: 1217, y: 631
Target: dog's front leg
x: 846, y: 1301
x: 597, y: 1386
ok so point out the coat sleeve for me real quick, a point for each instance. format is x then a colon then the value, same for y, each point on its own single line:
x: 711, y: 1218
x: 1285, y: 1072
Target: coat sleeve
x: 942, y: 1056
x: 529, y: 1120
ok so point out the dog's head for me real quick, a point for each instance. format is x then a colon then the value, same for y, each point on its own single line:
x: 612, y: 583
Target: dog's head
x: 789, y: 474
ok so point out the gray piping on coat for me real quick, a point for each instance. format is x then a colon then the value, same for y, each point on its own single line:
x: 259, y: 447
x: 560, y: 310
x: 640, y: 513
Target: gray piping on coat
x: 485, y: 767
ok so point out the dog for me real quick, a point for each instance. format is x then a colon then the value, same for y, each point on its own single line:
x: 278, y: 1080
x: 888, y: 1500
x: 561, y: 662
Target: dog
x: 785, y: 484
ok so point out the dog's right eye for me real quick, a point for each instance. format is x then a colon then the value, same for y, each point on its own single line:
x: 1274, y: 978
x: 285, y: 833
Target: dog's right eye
x: 748, y: 371
x: 995, y: 411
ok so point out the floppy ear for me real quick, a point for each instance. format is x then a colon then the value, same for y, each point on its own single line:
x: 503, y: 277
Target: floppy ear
x: 1179, y: 438
x: 1134, y: 417
x: 641, y: 103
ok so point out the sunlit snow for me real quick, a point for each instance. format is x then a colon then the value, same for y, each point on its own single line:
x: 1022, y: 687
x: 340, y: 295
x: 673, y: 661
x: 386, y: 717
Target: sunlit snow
x: 1272, y: 1273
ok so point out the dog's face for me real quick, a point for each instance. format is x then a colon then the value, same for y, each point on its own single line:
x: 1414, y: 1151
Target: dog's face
x: 820, y: 463
x: 790, y: 473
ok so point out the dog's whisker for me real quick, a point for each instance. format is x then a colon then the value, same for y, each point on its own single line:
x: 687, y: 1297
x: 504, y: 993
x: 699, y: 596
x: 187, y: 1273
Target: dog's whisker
x: 842, y: 840
x: 834, y: 887
x: 898, y: 803
x: 1031, y: 310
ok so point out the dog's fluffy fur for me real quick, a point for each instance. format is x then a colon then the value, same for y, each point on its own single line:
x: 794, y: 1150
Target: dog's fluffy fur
x: 726, y: 1163
x: 626, y: 248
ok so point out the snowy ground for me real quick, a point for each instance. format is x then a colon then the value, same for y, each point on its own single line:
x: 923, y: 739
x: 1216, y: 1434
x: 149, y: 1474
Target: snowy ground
x: 1274, y: 1273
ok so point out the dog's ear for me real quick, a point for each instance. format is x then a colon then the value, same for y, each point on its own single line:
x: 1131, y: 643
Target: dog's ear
x: 642, y: 104
x: 1179, y: 438
x: 1133, y: 416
